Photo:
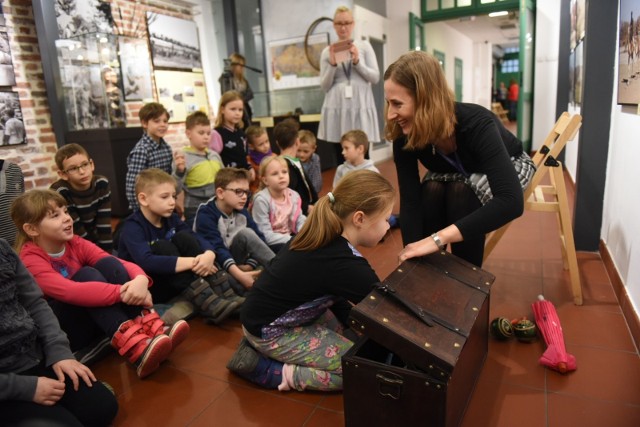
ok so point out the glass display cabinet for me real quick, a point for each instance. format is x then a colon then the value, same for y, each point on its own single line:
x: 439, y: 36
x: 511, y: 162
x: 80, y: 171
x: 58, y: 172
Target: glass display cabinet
x: 90, y: 80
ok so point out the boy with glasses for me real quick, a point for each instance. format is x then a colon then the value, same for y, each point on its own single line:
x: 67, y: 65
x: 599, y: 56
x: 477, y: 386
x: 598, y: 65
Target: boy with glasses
x: 88, y: 196
x: 225, y: 222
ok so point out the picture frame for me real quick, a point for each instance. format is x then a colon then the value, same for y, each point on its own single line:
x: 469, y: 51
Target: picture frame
x: 7, y: 73
x: 290, y: 67
x: 416, y: 33
x: 77, y: 17
x: 629, y: 53
x: 174, y: 42
x: 577, y: 89
x: 135, y: 65
x: 11, y: 120
x: 573, y: 30
x: 3, y: 20
x: 181, y: 92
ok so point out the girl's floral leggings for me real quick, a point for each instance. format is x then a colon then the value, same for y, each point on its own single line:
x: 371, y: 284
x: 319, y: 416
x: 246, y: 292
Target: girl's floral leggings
x: 316, y: 351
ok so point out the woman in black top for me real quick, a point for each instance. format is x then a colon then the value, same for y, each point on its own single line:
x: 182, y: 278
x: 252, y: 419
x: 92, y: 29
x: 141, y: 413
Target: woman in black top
x: 476, y: 168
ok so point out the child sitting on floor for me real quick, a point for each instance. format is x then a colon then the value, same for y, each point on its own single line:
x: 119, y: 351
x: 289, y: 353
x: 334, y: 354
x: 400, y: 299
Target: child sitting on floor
x: 88, y: 196
x: 286, y: 136
x: 295, y: 317
x: 277, y: 209
x: 88, y: 286
x: 227, y: 225
x: 259, y: 149
x: 309, y: 159
x: 40, y: 381
x: 198, y: 172
x: 180, y: 262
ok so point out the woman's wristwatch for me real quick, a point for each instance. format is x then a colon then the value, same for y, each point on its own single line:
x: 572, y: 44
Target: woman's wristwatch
x: 439, y: 243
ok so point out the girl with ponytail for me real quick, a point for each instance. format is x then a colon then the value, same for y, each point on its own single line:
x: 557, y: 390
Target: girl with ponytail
x: 295, y: 317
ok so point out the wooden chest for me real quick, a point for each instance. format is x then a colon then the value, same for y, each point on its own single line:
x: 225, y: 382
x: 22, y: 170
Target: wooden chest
x: 404, y: 372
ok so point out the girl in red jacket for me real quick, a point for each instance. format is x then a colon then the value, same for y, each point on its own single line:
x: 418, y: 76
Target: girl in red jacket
x: 89, y: 289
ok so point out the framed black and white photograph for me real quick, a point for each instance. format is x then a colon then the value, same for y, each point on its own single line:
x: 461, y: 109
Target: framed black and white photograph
x: 135, y: 63
x: 572, y: 77
x: 11, y: 121
x: 77, y: 17
x: 577, y: 91
x: 629, y: 53
x: 3, y: 20
x: 174, y: 42
x: 7, y: 75
x: 84, y: 98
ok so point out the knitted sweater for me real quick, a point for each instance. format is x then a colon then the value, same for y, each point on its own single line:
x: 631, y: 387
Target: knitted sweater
x: 29, y: 331
x: 90, y: 210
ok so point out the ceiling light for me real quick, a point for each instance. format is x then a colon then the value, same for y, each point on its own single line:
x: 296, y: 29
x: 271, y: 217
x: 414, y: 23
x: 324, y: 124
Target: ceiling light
x: 501, y: 13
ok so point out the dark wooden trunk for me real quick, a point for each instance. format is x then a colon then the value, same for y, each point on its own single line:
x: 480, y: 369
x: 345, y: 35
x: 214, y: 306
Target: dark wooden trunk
x: 403, y: 372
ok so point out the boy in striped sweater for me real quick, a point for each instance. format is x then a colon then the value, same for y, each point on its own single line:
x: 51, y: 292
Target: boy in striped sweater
x: 88, y: 196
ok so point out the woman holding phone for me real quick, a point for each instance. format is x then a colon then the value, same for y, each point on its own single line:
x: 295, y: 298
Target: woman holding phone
x: 348, y: 68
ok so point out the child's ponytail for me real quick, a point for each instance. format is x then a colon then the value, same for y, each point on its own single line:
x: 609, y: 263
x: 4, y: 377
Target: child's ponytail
x: 362, y: 190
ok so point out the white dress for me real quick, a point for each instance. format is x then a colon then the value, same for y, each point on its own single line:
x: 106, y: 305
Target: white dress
x: 341, y: 114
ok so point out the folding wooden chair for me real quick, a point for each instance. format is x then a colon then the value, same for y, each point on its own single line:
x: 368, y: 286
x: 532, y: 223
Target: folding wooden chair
x: 499, y: 111
x: 556, y: 201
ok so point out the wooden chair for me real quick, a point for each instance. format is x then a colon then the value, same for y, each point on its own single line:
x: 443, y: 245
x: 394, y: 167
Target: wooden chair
x: 556, y: 200
x: 499, y: 111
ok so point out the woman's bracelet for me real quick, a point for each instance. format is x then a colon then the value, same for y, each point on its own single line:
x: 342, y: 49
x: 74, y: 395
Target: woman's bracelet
x: 439, y: 243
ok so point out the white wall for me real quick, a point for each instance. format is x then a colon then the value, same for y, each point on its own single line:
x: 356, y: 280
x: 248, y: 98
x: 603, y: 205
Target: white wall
x: 621, y: 223
x: 454, y: 44
x: 546, y: 69
x: 480, y: 92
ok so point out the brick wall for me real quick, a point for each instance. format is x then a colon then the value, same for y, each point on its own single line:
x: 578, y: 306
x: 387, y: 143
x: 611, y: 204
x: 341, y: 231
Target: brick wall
x: 36, y: 157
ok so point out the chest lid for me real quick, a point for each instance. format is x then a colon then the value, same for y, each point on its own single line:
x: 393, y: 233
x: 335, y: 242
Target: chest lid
x: 439, y: 289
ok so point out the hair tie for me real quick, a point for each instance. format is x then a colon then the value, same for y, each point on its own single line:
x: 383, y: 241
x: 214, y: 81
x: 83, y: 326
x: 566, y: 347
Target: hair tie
x: 332, y: 198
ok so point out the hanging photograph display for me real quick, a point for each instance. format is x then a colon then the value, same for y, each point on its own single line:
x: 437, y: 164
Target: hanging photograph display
x: 135, y: 64
x: 577, y: 90
x: 174, y: 42
x: 181, y: 93
x: 11, y: 121
x: 629, y: 53
x: 7, y: 75
x: 77, y: 17
x: 290, y: 67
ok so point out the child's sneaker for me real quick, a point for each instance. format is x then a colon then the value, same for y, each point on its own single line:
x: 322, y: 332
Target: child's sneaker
x: 144, y: 352
x: 255, y: 367
x: 153, y: 326
x: 210, y: 305
x: 93, y: 352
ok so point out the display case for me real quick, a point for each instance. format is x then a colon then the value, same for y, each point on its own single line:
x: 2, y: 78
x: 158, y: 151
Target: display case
x: 91, y: 81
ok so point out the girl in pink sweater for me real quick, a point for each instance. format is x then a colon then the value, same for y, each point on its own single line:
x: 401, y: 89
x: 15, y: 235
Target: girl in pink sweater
x: 88, y: 289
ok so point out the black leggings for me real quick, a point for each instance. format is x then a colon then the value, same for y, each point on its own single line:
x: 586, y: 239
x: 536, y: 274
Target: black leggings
x: 444, y: 203
x: 89, y: 406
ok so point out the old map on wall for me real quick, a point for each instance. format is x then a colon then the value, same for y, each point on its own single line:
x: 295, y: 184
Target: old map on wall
x: 289, y: 66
